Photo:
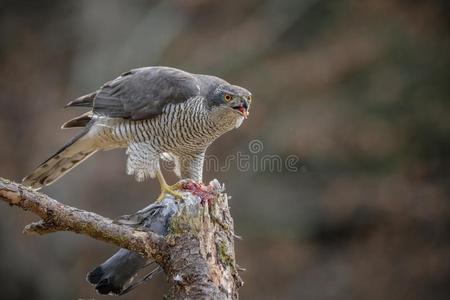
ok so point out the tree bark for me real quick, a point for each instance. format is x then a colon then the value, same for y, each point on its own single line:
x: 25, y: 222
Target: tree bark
x: 197, y: 253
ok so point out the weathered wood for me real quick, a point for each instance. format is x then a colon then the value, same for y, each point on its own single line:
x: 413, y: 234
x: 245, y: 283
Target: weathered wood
x: 197, y: 253
x: 201, y: 261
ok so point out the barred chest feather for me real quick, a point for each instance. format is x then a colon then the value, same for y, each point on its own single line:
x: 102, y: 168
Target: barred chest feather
x: 182, y: 132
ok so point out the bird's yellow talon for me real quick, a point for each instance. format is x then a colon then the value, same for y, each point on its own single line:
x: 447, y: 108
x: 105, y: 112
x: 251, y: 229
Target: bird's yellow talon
x: 168, y: 189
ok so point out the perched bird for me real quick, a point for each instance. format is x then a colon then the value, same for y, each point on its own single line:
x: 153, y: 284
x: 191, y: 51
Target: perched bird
x: 156, y: 113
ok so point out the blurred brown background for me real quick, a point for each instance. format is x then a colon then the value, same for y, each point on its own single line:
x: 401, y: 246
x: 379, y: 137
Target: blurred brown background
x: 358, y: 90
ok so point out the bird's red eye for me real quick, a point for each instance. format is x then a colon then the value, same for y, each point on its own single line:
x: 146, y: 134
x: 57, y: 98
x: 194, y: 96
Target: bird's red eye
x: 227, y: 97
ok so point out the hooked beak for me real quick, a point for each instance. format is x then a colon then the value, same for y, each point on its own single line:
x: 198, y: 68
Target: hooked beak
x: 241, y: 107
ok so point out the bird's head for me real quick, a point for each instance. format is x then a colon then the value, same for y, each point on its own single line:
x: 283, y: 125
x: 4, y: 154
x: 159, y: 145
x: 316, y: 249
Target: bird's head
x: 232, y: 99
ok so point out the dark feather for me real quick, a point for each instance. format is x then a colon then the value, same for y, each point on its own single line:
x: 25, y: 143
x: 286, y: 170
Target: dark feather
x: 116, y: 273
x: 83, y: 101
x: 143, y: 93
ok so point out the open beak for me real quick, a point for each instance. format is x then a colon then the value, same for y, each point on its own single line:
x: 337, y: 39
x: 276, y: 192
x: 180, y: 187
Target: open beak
x: 242, y: 108
x: 244, y: 112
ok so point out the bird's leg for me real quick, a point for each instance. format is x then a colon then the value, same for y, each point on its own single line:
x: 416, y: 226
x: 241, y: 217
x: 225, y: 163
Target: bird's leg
x: 167, y: 189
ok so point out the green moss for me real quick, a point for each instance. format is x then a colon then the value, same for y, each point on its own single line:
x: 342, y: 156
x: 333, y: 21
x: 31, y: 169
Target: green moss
x: 186, y: 222
x: 224, y: 258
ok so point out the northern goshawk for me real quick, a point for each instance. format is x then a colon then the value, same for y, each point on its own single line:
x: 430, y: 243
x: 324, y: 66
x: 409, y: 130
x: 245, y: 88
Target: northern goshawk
x: 154, y: 112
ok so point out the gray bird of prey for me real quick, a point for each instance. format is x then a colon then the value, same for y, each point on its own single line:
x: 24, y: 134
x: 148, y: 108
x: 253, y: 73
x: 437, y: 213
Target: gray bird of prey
x: 155, y: 113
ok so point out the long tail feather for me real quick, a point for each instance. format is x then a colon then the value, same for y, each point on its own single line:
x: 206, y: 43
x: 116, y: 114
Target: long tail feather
x: 67, y: 158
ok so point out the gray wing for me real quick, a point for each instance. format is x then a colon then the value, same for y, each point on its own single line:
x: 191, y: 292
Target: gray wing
x: 141, y: 93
